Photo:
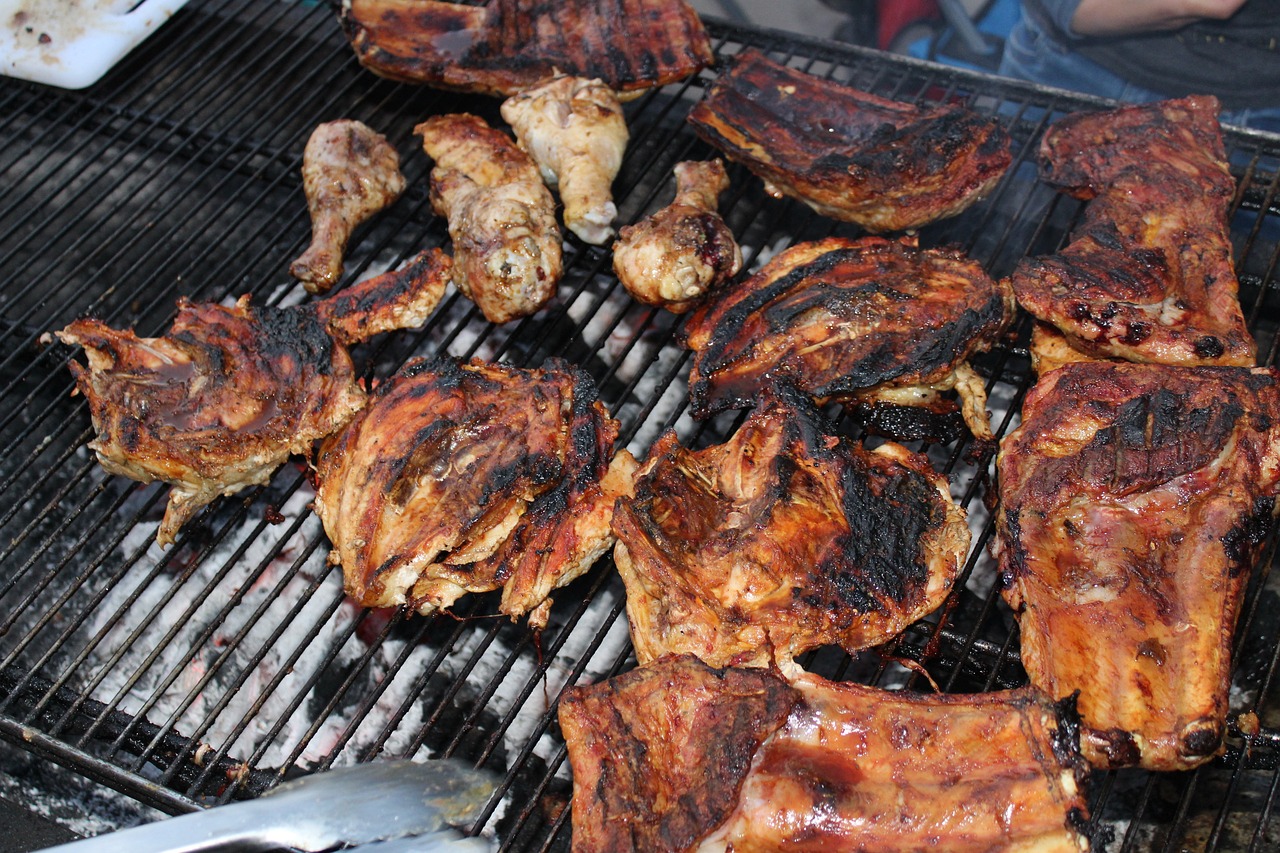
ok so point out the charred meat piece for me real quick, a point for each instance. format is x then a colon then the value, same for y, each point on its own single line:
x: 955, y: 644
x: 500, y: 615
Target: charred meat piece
x: 229, y: 393
x: 869, y: 320
x: 1147, y: 276
x: 506, y: 243
x: 508, y: 46
x: 848, y: 154
x: 349, y: 173
x: 783, y: 539
x: 677, y: 756
x: 576, y: 133
x: 470, y: 477
x: 1133, y: 502
x: 674, y: 257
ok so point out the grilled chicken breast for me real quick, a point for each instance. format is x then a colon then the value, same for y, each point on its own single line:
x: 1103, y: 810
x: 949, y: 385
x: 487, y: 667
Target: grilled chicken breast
x: 871, y: 321
x: 1147, y: 276
x: 229, y: 393
x: 470, y: 477
x: 848, y: 154
x: 576, y: 133
x: 677, y: 756
x: 674, y: 257
x: 349, y: 173
x: 506, y: 243
x: 1133, y: 499
x: 783, y: 539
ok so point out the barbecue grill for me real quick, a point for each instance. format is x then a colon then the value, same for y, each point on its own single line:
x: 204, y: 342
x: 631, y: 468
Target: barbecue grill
x: 214, y: 669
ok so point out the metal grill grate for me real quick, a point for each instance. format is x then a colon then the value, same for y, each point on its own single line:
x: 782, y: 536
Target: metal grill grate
x: 212, y: 670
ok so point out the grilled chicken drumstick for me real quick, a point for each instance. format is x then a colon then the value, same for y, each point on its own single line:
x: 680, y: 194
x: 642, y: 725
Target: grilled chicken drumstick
x: 506, y: 243
x: 229, y: 393
x: 672, y: 258
x: 349, y: 173
x: 576, y: 133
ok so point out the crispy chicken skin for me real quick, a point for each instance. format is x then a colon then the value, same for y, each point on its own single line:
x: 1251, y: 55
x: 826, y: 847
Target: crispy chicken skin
x: 349, y: 173
x: 507, y: 46
x: 677, y: 756
x: 783, y: 539
x: 506, y: 243
x: 575, y: 131
x: 674, y: 257
x: 1133, y: 499
x: 470, y: 477
x: 867, y: 320
x: 848, y: 154
x: 229, y: 393
x: 1147, y: 276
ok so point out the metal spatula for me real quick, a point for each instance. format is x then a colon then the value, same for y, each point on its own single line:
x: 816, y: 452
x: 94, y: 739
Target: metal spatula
x: 348, y: 806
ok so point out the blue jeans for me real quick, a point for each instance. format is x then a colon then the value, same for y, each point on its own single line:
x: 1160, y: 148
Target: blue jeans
x: 1031, y: 54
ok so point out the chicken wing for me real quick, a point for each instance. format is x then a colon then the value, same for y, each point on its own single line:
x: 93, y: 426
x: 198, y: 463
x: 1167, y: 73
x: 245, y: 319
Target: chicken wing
x: 576, y: 133
x: 349, y: 173
x: 506, y: 243
x: 674, y: 257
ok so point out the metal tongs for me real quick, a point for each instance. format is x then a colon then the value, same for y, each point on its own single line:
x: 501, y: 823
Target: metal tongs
x: 400, y: 805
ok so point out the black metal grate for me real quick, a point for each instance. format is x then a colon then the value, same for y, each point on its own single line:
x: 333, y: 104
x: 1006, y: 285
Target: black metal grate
x: 210, y: 671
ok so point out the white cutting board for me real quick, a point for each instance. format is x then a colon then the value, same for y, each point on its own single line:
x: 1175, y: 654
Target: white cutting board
x: 72, y: 43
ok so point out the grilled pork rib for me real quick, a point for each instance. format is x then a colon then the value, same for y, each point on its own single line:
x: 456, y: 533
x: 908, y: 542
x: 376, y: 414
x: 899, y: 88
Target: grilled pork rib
x: 470, y: 477
x: 783, y: 539
x: 229, y: 393
x: 847, y: 154
x: 677, y: 756
x: 1147, y: 276
x: 575, y: 131
x: 508, y: 46
x: 672, y: 258
x: 869, y: 320
x: 349, y: 173
x: 506, y: 243
x: 1133, y: 498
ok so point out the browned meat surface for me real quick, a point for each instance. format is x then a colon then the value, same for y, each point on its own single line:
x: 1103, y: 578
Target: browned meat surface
x: 674, y: 257
x: 848, y: 154
x: 229, y: 393
x: 349, y: 173
x: 1147, y: 276
x: 783, y: 539
x: 676, y: 756
x: 1133, y: 499
x: 510, y: 45
x: 470, y: 477
x: 869, y: 320
x: 575, y: 131
x: 502, y: 219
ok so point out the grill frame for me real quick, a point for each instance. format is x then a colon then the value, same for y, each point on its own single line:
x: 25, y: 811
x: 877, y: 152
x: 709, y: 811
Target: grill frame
x: 191, y: 147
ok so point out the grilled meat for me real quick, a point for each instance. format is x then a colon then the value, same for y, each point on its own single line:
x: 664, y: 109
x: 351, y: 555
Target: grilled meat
x: 470, y: 477
x: 506, y: 243
x: 576, y: 133
x: 677, y: 756
x: 674, y: 257
x: 868, y: 320
x: 508, y: 46
x: 349, y: 173
x: 783, y: 539
x: 1133, y: 500
x: 229, y: 393
x: 848, y: 154
x: 1147, y: 276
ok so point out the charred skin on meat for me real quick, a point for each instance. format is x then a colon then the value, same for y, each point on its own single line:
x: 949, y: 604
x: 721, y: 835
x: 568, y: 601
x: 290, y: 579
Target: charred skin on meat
x: 1133, y: 499
x: 1147, y: 276
x: 223, y: 399
x: 678, y: 756
x: 850, y: 155
x: 781, y: 540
